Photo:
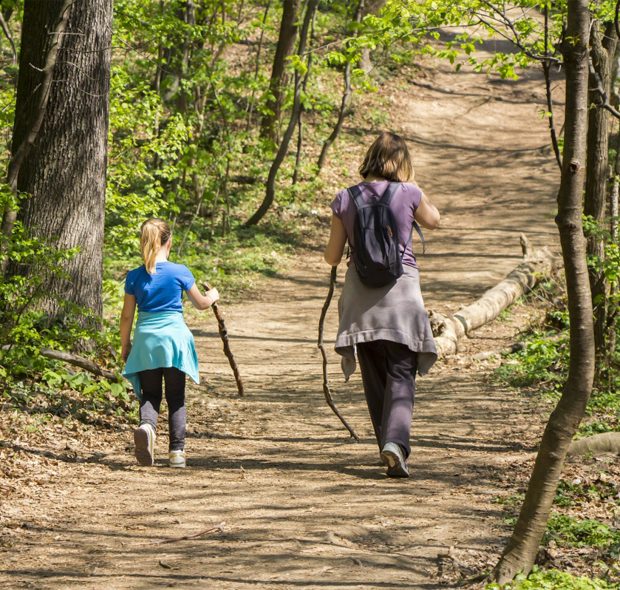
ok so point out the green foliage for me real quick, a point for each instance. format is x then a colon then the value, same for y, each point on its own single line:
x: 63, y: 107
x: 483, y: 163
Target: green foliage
x: 542, y: 365
x: 25, y: 328
x: 552, y: 579
x: 71, y: 395
x: 575, y: 493
x: 567, y: 531
x: 542, y: 362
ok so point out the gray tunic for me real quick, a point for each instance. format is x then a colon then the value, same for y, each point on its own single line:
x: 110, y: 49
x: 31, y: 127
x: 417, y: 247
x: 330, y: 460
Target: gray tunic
x: 394, y: 312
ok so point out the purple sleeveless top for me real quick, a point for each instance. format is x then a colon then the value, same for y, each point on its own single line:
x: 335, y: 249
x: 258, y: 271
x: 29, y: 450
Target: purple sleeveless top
x: 405, y: 200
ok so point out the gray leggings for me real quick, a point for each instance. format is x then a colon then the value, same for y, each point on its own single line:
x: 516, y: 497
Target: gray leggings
x: 388, y: 374
x: 151, y: 383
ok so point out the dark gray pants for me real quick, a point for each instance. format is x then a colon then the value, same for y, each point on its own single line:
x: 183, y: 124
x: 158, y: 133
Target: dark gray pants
x: 388, y: 374
x: 151, y: 383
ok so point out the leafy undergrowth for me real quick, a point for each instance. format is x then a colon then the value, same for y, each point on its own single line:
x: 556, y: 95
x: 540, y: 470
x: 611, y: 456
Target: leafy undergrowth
x: 541, y: 366
x: 553, y: 580
x: 582, y: 536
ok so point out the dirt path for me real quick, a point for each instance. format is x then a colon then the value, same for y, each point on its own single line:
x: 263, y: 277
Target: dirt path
x: 301, y: 505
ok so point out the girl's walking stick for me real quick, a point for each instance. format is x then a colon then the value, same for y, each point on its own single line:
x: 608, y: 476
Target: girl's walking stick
x: 221, y: 326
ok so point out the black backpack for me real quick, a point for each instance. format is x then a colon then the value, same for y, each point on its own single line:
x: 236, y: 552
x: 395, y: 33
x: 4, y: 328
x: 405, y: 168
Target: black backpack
x: 376, y: 254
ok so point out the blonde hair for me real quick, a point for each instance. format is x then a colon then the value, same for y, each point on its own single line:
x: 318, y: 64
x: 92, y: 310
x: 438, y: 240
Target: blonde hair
x: 388, y: 157
x: 154, y: 233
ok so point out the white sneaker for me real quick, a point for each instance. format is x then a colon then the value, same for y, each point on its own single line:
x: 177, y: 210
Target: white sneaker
x: 176, y: 459
x: 392, y: 455
x: 144, y: 440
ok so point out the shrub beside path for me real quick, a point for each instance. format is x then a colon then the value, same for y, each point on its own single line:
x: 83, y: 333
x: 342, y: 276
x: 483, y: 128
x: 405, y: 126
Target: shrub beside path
x: 299, y: 504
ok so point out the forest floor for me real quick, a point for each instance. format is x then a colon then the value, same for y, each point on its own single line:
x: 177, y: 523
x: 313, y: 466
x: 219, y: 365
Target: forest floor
x: 298, y: 504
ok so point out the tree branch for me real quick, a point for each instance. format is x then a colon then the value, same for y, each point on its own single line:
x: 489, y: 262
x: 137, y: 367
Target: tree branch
x: 600, y: 89
x: 22, y: 151
x: 79, y: 361
x: 7, y: 34
x: 547, y: 72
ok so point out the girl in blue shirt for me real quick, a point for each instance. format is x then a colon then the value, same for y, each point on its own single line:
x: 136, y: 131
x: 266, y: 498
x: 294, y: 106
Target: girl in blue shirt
x: 163, y: 347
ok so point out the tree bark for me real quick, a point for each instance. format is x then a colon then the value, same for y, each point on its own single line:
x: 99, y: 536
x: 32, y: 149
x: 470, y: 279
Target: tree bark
x: 42, y: 91
x: 257, y: 64
x: 370, y: 7
x: 345, y: 101
x: 64, y: 172
x: 520, y: 552
x: 7, y: 33
x: 284, y: 48
x: 597, y: 176
x: 300, y: 117
x: 83, y: 363
x: 270, y: 190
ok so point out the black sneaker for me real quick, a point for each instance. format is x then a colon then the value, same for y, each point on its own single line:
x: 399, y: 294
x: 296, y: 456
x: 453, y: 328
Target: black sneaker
x: 392, y: 455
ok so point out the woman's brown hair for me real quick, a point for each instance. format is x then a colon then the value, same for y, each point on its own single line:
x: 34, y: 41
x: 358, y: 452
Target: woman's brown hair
x: 154, y: 233
x: 388, y: 157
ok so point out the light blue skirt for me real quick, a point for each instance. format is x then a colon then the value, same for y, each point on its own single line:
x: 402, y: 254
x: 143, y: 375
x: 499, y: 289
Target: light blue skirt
x: 161, y: 340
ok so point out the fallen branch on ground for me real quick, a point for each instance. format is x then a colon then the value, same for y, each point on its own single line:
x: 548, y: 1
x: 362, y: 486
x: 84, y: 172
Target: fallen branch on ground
x: 215, y: 529
x: 597, y: 444
x: 449, y: 330
x: 80, y: 361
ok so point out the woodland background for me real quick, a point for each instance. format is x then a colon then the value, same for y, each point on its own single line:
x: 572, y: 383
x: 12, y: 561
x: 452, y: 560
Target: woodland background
x: 237, y: 120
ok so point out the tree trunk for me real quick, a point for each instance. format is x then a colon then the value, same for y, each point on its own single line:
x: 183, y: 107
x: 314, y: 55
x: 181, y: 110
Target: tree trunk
x: 257, y: 63
x: 597, y: 176
x: 64, y: 172
x: 346, y: 98
x: 597, y: 444
x: 270, y: 190
x: 284, y: 48
x: 370, y: 7
x: 300, y: 117
x: 520, y: 552
x: 178, y: 61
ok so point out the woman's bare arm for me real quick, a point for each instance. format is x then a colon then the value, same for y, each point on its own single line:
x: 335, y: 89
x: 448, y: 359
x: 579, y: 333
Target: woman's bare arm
x: 337, y: 240
x: 427, y: 215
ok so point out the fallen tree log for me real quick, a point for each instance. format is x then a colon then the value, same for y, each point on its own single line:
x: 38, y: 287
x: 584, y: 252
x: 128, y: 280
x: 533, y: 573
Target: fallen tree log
x: 449, y: 330
x: 597, y: 444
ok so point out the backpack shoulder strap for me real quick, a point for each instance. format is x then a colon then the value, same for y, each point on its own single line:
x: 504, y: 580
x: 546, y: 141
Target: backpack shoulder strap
x: 388, y: 193
x: 418, y: 229
x: 356, y: 196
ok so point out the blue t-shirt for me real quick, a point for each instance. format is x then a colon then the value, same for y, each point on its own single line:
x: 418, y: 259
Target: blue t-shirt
x: 161, y: 291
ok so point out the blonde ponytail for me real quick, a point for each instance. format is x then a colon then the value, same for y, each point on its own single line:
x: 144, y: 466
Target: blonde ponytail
x: 154, y: 233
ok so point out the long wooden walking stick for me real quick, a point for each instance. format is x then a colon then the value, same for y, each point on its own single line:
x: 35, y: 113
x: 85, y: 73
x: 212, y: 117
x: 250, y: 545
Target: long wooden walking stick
x: 326, y: 389
x: 221, y: 326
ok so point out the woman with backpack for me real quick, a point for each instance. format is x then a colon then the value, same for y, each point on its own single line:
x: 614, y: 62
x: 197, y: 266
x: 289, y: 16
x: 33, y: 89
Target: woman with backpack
x: 381, y: 310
